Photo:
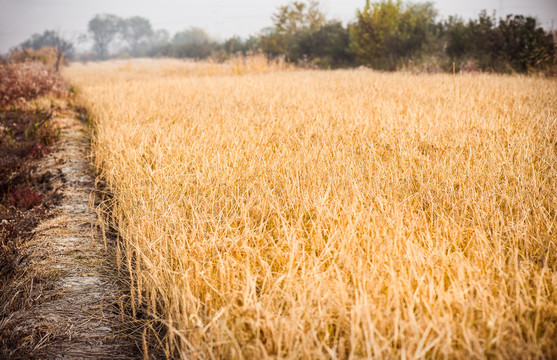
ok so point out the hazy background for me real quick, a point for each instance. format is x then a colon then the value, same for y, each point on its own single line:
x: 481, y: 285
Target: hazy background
x: 19, y: 19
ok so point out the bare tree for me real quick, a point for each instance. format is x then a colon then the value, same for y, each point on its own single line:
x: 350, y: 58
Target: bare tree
x: 51, y: 38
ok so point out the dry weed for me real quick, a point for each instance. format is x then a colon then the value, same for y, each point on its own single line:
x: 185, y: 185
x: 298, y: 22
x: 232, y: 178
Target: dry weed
x: 343, y: 214
x: 28, y: 80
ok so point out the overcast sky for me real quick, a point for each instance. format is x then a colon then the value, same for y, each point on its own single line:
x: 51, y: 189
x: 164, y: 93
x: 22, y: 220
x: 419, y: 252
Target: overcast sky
x: 19, y: 19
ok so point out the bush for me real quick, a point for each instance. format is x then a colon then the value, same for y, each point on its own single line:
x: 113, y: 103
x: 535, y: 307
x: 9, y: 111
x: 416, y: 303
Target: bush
x: 45, y: 55
x: 27, y: 81
x: 514, y: 44
x: 25, y: 198
x: 388, y: 33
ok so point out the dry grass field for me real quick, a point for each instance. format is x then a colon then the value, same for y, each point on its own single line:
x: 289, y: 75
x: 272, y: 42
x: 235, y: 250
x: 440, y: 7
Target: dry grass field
x: 273, y: 212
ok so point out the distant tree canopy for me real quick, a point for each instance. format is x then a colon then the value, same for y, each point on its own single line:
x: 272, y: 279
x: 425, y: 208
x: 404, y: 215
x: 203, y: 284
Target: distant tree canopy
x: 192, y: 43
x: 302, y: 35
x: 290, y: 21
x: 388, y: 33
x: 137, y: 32
x: 104, y: 29
x: 237, y: 45
x: 385, y: 35
x: 514, y: 44
x: 193, y: 35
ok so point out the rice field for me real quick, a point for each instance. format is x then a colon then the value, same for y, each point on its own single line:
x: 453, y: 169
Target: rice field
x: 271, y: 212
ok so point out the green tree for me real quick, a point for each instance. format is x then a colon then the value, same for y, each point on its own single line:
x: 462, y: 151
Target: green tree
x: 512, y: 44
x: 136, y: 31
x: 192, y: 43
x: 193, y: 35
x: 326, y: 46
x: 289, y: 21
x: 159, y: 43
x: 459, y: 38
x: 524, y: 45
x: 387, y: 33
x: 236, y: 45
x: 298, y: 16
x: 103, y: 29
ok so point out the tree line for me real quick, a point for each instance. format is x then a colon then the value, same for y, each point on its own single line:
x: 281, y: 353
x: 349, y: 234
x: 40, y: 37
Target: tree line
x: 385, y: 35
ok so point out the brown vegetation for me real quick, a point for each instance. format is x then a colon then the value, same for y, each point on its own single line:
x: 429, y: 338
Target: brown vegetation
x: 28, y: 80
x: 26, y: 198
x: 60, y: 298
x: 26, y: 135
x: 47, y: 55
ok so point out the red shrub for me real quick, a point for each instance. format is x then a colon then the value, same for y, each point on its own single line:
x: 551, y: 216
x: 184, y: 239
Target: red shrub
x: 26, y: 198
x: 27, y: 81
x: 39, y: 150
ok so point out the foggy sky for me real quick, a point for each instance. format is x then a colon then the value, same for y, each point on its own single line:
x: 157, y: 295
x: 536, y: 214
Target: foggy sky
x: 19, y: 19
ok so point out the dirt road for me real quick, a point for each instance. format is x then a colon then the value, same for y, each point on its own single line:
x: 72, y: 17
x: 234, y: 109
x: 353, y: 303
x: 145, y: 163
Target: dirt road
x: 69, y: 284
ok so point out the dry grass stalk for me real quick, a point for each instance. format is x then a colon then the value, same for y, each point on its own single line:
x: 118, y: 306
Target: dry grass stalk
x: 348, y: 214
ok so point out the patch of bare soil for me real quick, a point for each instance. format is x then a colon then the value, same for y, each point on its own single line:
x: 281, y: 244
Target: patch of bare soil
x: 59, y: 292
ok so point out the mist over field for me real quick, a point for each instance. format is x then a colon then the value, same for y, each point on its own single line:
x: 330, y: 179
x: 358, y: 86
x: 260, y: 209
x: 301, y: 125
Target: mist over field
x: 221, y: 19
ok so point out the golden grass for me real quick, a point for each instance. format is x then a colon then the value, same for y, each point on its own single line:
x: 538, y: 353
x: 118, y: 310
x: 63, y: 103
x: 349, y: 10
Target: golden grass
x: 333, y: 214
x: 149, y: 69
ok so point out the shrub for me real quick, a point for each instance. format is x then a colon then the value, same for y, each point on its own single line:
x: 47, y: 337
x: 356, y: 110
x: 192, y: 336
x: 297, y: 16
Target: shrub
x: 388, y: 32
x: 45, y: 55
x: 26, y: 198
x: 27, y: 81
x: 39, y: 150
x: 514, y: 44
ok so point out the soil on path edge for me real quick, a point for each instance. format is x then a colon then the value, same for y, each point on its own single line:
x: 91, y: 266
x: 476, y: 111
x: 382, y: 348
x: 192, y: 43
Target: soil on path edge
x: 71, y: 290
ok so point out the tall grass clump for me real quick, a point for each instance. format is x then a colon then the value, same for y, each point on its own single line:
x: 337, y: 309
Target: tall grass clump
x: 341, y: 214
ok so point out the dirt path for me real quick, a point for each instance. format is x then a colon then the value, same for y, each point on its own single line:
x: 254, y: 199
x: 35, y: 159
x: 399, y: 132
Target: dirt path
x: 75, y: 315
